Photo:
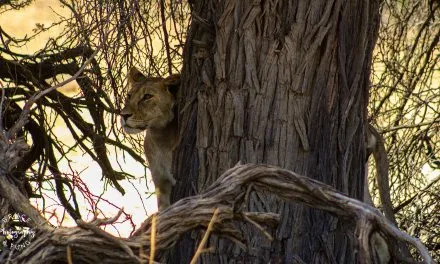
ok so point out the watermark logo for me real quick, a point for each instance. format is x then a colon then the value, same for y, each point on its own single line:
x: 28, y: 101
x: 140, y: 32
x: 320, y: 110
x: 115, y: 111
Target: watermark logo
x: 15, y: 233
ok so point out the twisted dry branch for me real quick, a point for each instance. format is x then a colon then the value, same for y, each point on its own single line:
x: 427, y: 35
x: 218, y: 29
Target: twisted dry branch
x: 227, y: 195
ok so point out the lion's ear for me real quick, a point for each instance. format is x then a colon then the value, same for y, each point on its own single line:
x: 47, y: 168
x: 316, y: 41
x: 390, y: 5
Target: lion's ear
x: 134, y: 75
x: 173, y: 84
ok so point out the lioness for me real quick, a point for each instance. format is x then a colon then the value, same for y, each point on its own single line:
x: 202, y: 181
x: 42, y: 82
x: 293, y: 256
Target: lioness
x: 150, y: 106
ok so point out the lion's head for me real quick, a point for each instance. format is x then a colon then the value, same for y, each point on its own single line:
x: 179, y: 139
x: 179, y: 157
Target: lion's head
x: 150, y: 102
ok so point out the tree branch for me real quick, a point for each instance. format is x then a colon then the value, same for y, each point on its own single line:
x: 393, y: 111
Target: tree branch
x: 226, y: 194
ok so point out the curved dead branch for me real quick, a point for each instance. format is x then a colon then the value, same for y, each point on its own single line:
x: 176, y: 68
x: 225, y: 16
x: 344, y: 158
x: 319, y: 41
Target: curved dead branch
x: 228, y: 195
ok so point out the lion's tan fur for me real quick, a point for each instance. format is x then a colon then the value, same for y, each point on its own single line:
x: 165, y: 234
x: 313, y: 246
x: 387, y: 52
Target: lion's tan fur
x: 150, y: 107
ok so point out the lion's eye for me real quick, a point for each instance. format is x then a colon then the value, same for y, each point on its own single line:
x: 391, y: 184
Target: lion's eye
x: 147, y: 97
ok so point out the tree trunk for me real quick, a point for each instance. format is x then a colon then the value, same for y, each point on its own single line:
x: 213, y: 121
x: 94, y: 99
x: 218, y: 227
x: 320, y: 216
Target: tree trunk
x: 284, y: 83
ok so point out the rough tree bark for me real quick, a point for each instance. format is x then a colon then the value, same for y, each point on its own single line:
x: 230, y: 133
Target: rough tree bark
x: 284, y: 83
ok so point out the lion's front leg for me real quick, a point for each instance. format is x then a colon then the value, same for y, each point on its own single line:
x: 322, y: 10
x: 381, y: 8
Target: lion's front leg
x: 163, y: 180
x: 163, y: 184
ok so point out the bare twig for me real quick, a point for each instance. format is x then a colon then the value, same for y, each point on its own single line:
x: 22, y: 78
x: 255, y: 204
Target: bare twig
x: 153, y: 239
x: 391, y: 129
x: 27, y: 107
x: 202, y: 244
x: 258, y: 226
x: 69, y: 255
x: 406, y: 202
x: 107, y: 221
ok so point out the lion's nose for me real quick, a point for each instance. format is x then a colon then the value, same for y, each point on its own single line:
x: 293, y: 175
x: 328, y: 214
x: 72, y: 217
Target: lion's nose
x: 125, y: 116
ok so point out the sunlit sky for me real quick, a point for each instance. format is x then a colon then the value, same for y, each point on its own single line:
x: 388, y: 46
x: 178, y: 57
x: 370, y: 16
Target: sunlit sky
x: 21, y: 23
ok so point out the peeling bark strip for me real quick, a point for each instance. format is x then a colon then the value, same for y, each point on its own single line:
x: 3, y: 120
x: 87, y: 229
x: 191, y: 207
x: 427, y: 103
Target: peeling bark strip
x: 228, y: 196
x: 280, y: 82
